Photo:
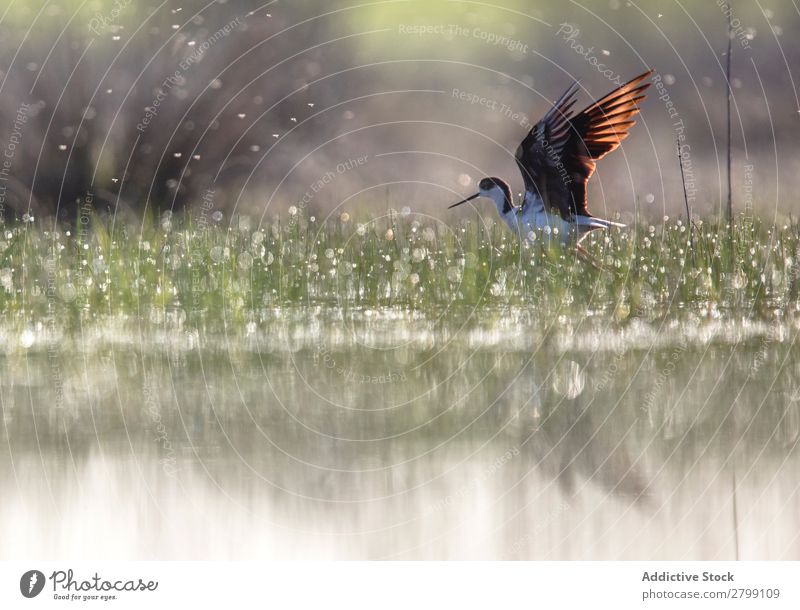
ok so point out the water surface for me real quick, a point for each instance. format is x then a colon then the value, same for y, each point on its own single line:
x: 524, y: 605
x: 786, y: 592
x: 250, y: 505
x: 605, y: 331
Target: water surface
x: 382, y: 434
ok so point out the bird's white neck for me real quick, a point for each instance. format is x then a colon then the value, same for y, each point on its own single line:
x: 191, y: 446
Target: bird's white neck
x: 498, y: 196
x: 505, y: 210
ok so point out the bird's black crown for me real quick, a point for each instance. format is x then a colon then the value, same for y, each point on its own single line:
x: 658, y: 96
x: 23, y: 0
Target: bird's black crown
x: 488, y: 183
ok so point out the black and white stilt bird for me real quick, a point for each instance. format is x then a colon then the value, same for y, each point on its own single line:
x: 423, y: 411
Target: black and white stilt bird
x: 557, y: 158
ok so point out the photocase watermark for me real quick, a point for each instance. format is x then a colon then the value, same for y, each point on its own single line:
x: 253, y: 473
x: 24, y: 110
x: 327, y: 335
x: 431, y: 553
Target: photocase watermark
x: 153, y: 410
x: 85, y: 213
x: 569, y: 34
x: 610, y: 373
x: 453, y: 30
x: 555, y: 159
x: 664, y: 96
x: 512, y: 44
x: 102, y: 22
x: 463, y: 490
x: 320, y: 183
x: 199, y: 50
x: 773, y: 334
x: 197, y: 253
x: 31, y: 583
x: 14, y: 140
x: 742, y: 34
x: 684, y: 148
x: 744, y: 226
x: 475, y: 99
x: 51, y: 323
x: 323, y: 357
x: 747, y: 220
x: 658, y: 383
x: 177, y: 79
x: 94, y: 588
x: 747, y: 189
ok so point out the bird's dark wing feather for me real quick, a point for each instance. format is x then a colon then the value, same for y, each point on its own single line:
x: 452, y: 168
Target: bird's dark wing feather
x: 538, y: 154
x: 559, y: 154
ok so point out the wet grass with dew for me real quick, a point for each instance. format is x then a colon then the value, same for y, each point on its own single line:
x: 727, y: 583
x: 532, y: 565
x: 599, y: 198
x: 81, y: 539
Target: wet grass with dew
x: 220, y: 275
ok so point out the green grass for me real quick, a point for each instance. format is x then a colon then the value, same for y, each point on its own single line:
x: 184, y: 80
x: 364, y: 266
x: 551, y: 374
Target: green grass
x: 224, y: 274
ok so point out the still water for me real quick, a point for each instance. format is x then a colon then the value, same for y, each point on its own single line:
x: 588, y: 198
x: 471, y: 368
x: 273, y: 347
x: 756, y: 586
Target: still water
x: 390, y: 435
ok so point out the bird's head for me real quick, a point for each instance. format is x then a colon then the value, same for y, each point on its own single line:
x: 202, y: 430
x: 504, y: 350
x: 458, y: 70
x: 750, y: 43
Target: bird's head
x: 495, y: 189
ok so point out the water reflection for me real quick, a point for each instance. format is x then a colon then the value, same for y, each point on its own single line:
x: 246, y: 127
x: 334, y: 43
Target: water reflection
x: 383, y: 437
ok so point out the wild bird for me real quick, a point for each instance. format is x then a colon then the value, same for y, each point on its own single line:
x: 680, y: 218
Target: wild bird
x: 557, y: 158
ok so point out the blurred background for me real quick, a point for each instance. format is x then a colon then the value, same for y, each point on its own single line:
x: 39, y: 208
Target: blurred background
x: 147, y: 106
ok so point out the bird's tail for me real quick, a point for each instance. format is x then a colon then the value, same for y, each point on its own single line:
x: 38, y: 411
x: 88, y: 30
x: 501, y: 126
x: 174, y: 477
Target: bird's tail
x: 589, y: 223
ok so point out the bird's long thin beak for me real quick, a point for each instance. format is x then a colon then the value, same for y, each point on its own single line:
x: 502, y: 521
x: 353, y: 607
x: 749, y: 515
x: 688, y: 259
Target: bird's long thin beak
x: 470, y: 198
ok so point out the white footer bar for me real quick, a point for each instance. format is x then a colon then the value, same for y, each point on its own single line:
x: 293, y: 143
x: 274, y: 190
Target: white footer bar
x: 404, y: 586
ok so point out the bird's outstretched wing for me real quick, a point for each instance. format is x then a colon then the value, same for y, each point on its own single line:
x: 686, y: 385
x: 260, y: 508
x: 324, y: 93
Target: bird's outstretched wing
x: 558, y: 155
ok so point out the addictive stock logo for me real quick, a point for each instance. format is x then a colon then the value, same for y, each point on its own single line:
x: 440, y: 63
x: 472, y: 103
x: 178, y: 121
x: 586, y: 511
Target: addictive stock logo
x: 31, y: 583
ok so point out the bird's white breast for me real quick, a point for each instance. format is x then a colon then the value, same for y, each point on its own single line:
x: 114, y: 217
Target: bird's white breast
x: 531, y: 216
